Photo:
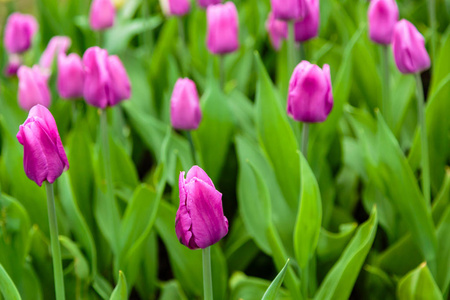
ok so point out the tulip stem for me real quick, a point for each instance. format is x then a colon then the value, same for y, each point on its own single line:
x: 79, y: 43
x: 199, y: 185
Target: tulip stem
x: 305, y: 135
x: 424, y: 139
x: 207, y: 278
x: 385, y: 105
x: 191, y: 144
x: 432, y: 15
x: 181, y: 32
x: 222, y: 71
x: 56, y: 251
x: 291, y: 48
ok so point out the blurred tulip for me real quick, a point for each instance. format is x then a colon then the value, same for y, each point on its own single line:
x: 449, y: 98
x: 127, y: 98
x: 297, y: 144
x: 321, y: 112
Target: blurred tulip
x: 206, y: 3
x: 310, y: 97
x: 175, y: 7
x: 289, y: 9
x: 119, y: 3
x: 14, y: 63
x: 199, y: 222
x: 223, y: 28
x: 106, y: 81
x: 102, y: 14
x: 308, y: 27
x: 70, y: 80
x: 56, y: 46
x: 33, y: 87
x: 277, y: 29
x: 19, y: 32
x: 44, y: 158
x: 383, y: 15
x: 408, y: 45
x: 185, y: 110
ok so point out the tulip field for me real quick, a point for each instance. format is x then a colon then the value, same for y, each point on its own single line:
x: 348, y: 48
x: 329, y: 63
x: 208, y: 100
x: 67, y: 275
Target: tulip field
x: 225, y: 149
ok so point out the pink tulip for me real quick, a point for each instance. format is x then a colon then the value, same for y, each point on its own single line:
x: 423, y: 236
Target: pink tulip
x: 289, y: 9
x: 277, y: 29
x: 14, y: 63
x: 383, y: 15
x: 44, y: 158
x: 56, y: 46
x: 206, y: 3
x: 70, y: 80
x: 223, y: 28
x: 33, y: 87
x: 308, y: 28
x: 102, y: 14
x: 185, y: 110
x: 175, y: 7
x: 19, y: 32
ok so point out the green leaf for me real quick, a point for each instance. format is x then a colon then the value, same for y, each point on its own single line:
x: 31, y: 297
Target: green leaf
x: 171, y: 290
x: 418, y: 284
x: 246, y: 287
x: 331, y: 245
x: 443, y: 270
x: 120, y: 291
x: 276, y: 136
x: 338, y: 283
x: 272, y: 290
x: 80, y: 263
x: 7, y: 286
x: 309, y: 217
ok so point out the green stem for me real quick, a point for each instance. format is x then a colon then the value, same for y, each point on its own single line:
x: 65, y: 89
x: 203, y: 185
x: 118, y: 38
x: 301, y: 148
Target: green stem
x: 432, y: 16
x: 222, y: 71
x: 56, y: 251
x: 305, y: 135
x: 207, y: 278
x: 424, y: 140
x: 386, y: 105
x: 291, y: 48
x: 305, y: 280
x: 181, y: 32
x: 191, y: 144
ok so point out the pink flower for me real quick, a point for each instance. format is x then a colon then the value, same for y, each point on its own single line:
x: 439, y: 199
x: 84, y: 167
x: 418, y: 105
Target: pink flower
x: 56, y: 46
x: 14, y: 63
x: 383, y: 15
x: 102, y: 14
x: 277, y: 29
x: 33, y: 87
x: 175, y: 7
x: 223, y: 28
x: 185, y: 110
x: 19, y: 32
x: 206, y: 3
x: 289, y: 9
x: 308, y: 27
x: 70, y: 80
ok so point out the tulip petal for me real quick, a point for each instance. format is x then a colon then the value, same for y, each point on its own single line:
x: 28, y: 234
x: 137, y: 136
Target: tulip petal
x: 183, y: 221
x: 197, y: 172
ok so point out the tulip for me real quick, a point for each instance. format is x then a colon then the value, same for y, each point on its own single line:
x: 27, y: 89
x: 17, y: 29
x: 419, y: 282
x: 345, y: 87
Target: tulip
x: 223, y: 28
x: 289, y: 9
x: 383, y: 15
x: 56, y: 46
x: 206, y: 3
x: 102, y: 14
x: 408, y: 46
x: 106, y: 81
x: 310, y: 97
x: 44, y: 155
x: 33, y: 87
x: 185, y: 110
x: 308, y: 27
x: 277, y: 29
x: 14, y: 63
x: 19, y: 32
x: 70, y: 80
x: 175, y: 7
x: 199, y: 221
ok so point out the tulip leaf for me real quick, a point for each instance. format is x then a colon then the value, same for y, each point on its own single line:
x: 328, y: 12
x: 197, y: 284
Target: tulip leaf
x: 120, y: 291
x: 171, y: 290
x: 246, y: 287
x: 443, y: 270
x: 338, y: 283
x: 273, y: 288
x: 80, y: 263
x: 7, y: 286
x: 418, y: 284
x: 309, y: 217
x: 276, y: 136
x: 331, y: 245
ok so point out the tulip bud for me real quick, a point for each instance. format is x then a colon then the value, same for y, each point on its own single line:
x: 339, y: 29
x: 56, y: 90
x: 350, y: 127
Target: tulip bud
x: 14, y: 63
x: 277, y: 29
x: 175, y: 7
x: 289, y: 9
x: 19, y: 32
x: 33, y: 87
x: 199, y: 222
x: 70, y: 80
x: 223, y: 28
x: 185, y: 110
x: 206, y: 3
x: 102, y: 14
x: 310, y: 98
x: 106, y: 81
x: 44, y: 158
x: 308, y: 27
x: 408, y: 45
x: 56, y: 46
x: 383, y: 15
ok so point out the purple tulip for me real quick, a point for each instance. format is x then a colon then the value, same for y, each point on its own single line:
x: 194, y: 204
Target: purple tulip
x: 106, y: 81
x: 185, y: 110
x: 199, y: 222
x: 408, y: 45
x: 383, y: 15
x: 289, y: 9
x: 206, y: 3
x: 223, y: 28
x: 44, y: 158
x: 56, y: 46
x: 14, y: 63
x: 70, y: 80
x: 310, y: 97
x: 277, y: 29
x: 19, y: 32
x: 308, y: 27
x: 102, y: 14
x: 33, y: 87
x: 175, y: 7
